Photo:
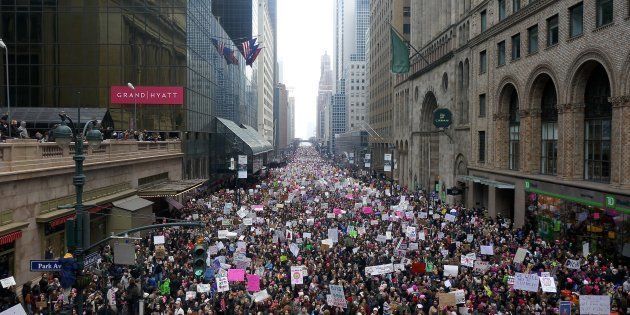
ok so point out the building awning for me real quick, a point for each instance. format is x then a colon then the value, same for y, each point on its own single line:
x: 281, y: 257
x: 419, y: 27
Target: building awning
x: 132, y: 203
x: 174, y: 203
x: 254, y: 141
x: 55, y: 215
x: 486, y: 181
x: 11, y: 232
x: 170, y: 188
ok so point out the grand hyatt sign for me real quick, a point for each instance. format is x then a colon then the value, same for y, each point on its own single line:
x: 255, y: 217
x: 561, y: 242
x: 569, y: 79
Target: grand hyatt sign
x: 157, y: 95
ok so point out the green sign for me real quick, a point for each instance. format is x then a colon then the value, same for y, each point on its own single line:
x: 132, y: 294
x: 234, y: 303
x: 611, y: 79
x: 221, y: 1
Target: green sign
x: 527, y: 184
x: 442, y: 118
x: 610, y: 202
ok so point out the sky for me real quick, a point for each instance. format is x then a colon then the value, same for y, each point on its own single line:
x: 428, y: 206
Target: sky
x: 305, y: 31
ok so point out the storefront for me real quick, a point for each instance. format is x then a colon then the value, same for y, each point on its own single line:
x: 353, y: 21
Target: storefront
x: 588, y: 216
x: 9, y: 234
x: 54, y: 231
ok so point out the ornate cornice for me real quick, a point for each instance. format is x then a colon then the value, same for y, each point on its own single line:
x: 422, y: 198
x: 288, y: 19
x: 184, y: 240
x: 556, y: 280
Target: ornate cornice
x: 620, y: 101
x: 523, y: 113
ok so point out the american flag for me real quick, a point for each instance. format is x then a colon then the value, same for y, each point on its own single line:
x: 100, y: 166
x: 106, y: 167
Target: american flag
x: 247, y: 47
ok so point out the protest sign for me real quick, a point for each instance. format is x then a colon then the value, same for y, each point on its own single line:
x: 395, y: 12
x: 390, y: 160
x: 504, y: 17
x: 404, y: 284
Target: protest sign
x: 487, y: 249
x: 295, y: 250
x: 203, y: 287
x: 519, y: 257
x: 451, y: 270
x: 253, y: 283
x: 526, y: 282
x: 481, y: 266
x: 158, y: 239
x: 261, y: 296
x: 548, y: 284
x: 585, y: 249
x: 296, y: 275
x: 379, y: 270
x: 447, y: 299
x: 449, y: 217
x: 190, y: 295
x: 411, y: 232
x: 595, y: 304
x: 469, y: 238
x: 467, y: 261
x: 565, y: 307
x: 333, y: 234
x: 248, y: 221
x: 236, y: 275
x: 7, y: 282
x: 223, y: 284
x: 460, y: 296
x: 337, y: 296
x: 572, y: 264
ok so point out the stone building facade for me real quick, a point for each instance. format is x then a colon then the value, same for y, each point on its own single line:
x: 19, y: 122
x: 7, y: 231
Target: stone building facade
x: 543, y: 121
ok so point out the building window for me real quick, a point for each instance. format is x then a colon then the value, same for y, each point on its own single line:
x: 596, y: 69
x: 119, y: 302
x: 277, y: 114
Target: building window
x: 514, y: 137
x: 406, y: 28
x: 502, y: 14
x: 597, y: 129
x: 576, y: 14
x: 501, y: 53
x: 604, y: 12
x: 552, y: 30
x: 516, y: 5
x: 482, y: 146
x: 532, y: 39
x: 516, y: 46
x: 483, y: 17
x: 549, y: 128
x: 483, y: 62
x: 482, y: 105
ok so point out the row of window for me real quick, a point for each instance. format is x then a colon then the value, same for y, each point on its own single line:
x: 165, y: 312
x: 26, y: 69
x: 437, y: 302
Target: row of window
x: 604, y: 9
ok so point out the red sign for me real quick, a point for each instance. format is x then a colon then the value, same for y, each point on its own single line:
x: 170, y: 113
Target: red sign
x: 157, y: 95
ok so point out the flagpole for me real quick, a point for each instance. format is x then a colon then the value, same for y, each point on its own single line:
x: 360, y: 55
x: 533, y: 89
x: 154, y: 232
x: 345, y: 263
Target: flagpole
x: 408, y: 44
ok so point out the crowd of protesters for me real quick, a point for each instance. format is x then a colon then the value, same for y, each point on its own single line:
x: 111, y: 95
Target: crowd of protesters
x: 314, y: 215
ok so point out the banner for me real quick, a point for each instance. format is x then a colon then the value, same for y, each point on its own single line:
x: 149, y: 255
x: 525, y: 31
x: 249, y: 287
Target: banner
x: 379, y: 270
x: 387, y: 164
x: 368, y: 160
x: 242, y: 166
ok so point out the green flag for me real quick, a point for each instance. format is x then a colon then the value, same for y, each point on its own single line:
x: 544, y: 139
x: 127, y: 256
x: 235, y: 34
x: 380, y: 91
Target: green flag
x: 400, y: 53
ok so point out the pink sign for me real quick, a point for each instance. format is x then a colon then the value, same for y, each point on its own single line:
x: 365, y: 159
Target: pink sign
x: 367, y: 210
x: 253, y: 283
x: 236, y: 275
x: 156, y: 95
x: 349, y: 196
x: 337, y: 211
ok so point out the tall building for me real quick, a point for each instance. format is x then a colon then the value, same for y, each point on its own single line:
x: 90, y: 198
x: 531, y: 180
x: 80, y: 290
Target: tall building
x: 324, y: 94
x: 266, y: 75
x: 384, y: 13
x: 283, y: 117
x: 291, y: 119
x: 239, y: 18
x: 540, y: 125
x: 351, y: 23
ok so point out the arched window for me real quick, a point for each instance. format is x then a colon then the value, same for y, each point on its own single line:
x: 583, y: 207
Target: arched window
x: 514, y: 125
x: 549, y: 128
x: 597, y: 126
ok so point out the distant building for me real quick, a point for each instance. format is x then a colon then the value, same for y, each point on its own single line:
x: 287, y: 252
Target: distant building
x: 324, y: 94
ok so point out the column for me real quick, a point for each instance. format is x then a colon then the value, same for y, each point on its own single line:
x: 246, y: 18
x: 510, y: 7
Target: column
x: 571, y: 141
x: 620, y: 142
x: 535, y: 148
x: 525, y: 137
x: 500, y: 140
x: 470, y: 194
x: 492, y: 202
x: 519, y: 204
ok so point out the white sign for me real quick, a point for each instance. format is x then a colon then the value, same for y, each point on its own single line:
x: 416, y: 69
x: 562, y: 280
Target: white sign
x: 520, y: 255
x: 203, y: 287
x: 15, y: 310
x: 469, y: 238
x: 548, y: 284
x: 451, y: 270
x: 572, y: 264
x: 526, y: 282
x: 379, y: 270
x: 223, y: 284
x: 449, y: 217
x: 487, y: 249
x: 295, y: 250
x: 333, y: 234
x: 242, y: 166
x: 248, y: 221
x: 387, y: 164
x: 337, y: 296
x: 296, y: 275
x: 261, y: 296
x: 460, y: 296
x: 7, y: 282
x: 481, y: 266
x: 595, y: 304
x: 467, y: 260
x: 411, y: 232
x: 585, y: 249
x: 158, y: 239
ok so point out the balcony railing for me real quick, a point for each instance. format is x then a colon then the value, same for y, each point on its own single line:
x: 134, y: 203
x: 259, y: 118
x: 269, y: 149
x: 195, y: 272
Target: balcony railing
x: 27, y: 155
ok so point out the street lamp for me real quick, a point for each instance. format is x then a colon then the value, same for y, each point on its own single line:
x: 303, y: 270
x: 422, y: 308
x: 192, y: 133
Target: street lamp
x: 63, y: 137
x: 135, y: 105
x: 6, y: 67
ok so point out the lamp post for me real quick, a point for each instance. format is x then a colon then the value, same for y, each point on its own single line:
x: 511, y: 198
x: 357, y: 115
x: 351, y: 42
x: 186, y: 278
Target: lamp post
x: 6, y: 67
x: 135, y: 106
x: 63, y: 136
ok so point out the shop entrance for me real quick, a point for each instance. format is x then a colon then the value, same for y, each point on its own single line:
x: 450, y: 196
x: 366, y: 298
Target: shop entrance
x: 505, y: 203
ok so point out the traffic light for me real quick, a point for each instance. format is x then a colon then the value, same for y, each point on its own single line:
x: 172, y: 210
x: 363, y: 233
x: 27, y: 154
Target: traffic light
x: 199, y: 260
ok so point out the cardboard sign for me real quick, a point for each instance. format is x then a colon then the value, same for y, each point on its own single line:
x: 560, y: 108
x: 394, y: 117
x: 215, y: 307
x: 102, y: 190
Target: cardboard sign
x: 548, y: 284
x: 526, y: 282
x: 447, y: 299
x: 595, y: 304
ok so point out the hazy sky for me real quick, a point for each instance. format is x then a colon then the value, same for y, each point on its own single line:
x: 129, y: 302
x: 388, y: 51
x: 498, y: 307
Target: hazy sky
x: 305, y: 31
